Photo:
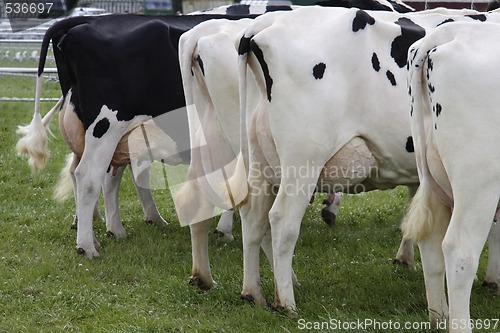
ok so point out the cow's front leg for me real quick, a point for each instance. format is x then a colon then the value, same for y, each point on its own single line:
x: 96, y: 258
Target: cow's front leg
x: 254, y: 224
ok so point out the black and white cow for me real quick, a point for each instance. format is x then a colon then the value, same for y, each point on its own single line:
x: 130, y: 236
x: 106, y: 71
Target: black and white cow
x: 453, y: 74
x: 317, y: 96
x: 206, y: 56
x: 116, y: 72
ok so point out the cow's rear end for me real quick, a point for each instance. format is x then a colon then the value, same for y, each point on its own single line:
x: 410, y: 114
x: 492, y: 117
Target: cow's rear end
x: 454, y: 115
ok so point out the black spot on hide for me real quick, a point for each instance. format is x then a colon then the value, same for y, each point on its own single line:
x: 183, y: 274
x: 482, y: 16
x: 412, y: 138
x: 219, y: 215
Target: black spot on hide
x: 375, y: 62
x: 265, y: 69
x: 319, y: 71
x: 409, y: 145
x: 238, y: 10
x: 244, y: 45
x: 391, y: 77
x: 410, y: 33
x: 479, y: 17
x: 446, y: 21
x: 200, y: 63
x: 439, y: 108
x: 361, y: 20
x: 101, y: 128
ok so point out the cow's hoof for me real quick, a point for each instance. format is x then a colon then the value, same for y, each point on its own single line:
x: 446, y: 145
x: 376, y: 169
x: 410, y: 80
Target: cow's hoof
x: 287, y: 311
x: 328, y: 217
x: 90, y: 254
x: 225, y: 237
x: 118, y: 234
x: 159, y: 222
x: 491, y: 285
x: 248, y: 298
x: 403, y: 263
x: 202, y: 285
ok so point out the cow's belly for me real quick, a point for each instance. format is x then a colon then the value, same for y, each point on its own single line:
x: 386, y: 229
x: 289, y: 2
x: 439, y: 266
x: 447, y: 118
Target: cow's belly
x: 144, y: 142
x: 349, y: 169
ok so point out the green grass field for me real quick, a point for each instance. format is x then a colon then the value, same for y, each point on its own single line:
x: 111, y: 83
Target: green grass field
x: 140, y: 284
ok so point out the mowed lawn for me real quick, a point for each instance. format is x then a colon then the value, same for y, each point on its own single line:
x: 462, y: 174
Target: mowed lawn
x: 140, y: 284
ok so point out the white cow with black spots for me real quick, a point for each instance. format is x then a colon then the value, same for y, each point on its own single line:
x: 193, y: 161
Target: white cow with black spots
x: 209, y: 63
x: 318, y: 95
x: 453, y: 75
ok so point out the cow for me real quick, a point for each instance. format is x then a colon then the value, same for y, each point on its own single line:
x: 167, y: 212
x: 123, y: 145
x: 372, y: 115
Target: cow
x: 313, y: 104
x: 452, y: 76
x: 93, y: 59
x: 224, y: 101
x: 74, y: 133
x: 208, y: 61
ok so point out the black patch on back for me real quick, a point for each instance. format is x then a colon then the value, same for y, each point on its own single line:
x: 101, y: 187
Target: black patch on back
x: 391, y: 77
x: 200, y: 63
x: 275, y: 8
x: 446, y: 21
x: 409, y: 145
x: 479, y: 17
x: 319, y: 71
x: 101, y: 128
x: 238, y: 10
x: 410, y: 33
x: 265, y: 69
x: 361, y: 20
x: 439, y: 108
x: 375, y: 62
x: 244, y: 45
x: 431, y: 87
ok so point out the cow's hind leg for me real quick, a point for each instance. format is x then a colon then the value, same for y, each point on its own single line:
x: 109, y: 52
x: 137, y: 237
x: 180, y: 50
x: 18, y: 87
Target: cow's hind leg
x: 148, y: 204
x: 73, y: 163
x: 225, y: 226
x: 492, y: 278
x: 426, y: 221
x: 114, y: 226
x: 462, y: 246
x: 285, y: 218
x: 201, y: 273
x: 254, y: 224
x: 101, y: 139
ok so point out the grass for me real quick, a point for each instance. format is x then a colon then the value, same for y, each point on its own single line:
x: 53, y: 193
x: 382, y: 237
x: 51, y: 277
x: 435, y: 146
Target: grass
x: 140, y: 284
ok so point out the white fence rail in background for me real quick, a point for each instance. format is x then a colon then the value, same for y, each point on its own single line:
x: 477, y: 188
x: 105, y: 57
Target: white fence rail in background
x: 19, y: 56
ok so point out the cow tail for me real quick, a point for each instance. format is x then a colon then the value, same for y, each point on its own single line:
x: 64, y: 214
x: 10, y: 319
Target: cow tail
x: 426, y: 214
x: 238, y: 182
x: 33, y: 143
x: 64, y: 186
x: 186, y: 202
